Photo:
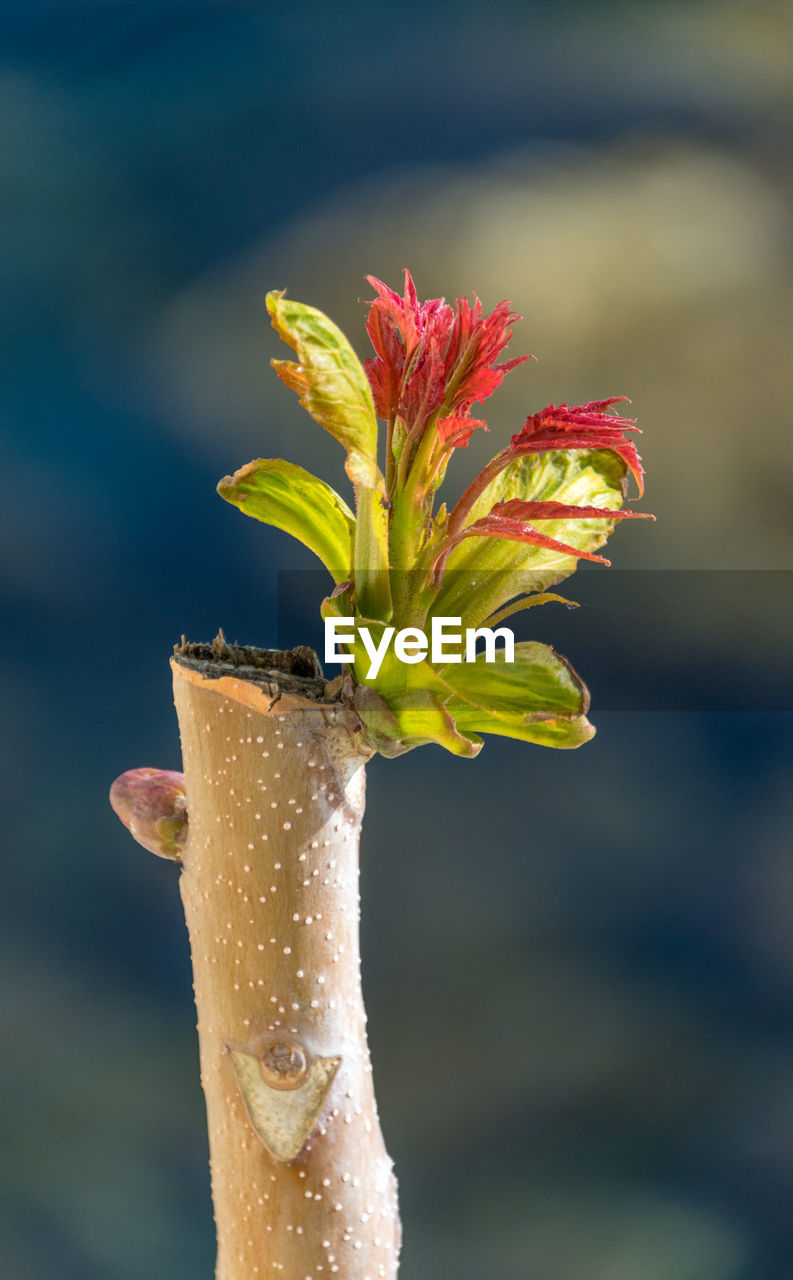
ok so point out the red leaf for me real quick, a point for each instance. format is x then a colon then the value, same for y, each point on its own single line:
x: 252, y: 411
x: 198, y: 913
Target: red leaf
x: 456, y: 431
x: 474, y: 345
x: 517, y: 530
x: 510, y: 520
x: 520, y: 510
x: 429, y: 356
x: 583, y: 426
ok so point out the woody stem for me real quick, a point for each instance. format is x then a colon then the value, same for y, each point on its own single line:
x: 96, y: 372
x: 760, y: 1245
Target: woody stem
x: 274, y: 776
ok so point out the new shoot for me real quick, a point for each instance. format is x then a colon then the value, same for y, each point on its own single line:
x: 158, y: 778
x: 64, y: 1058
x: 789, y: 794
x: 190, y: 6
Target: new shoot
x: 265, y: 821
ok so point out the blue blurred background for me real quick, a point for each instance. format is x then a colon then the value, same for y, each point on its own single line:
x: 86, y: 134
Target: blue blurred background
x: 578, y: 966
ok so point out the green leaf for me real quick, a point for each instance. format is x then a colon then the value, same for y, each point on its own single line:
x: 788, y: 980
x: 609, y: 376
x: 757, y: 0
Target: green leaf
x: 331, y: 383
x: 372, y: 579
x: 402, y: 705
x: 284, y: 495
x: 527, y: 602
x: 565, y: 732
x: 340, y: 603
x: 333, y: 387
x: 538, y: 680
x: 537, y: 698
x: 484, y: 573
x: 414, y: 718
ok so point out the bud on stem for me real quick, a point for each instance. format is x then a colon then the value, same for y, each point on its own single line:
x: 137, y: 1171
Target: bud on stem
x: 151, y: 805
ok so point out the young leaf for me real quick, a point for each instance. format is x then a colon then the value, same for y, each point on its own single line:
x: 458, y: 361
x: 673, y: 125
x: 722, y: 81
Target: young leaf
x: 525, y: 603
x: 564, y: 732
x: 538, y: 680
x: 284, y: 495
x: 413, y: 718
x: 372, y: 579
x: 502, y: 568
x: 537, y: 698
x: 330, y: 381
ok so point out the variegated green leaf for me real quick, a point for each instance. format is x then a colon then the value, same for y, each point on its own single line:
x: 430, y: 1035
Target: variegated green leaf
x: 539, y: 680
x: 412, y: 718
x: 542, y: 730
x: 331, y: 383
x: 537, y: 698
x: 372, y: 578
x: 289, y: 498
x: 487, y: 572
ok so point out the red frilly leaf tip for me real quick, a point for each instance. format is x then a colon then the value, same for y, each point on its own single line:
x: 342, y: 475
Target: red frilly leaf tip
x: 456, y: 431
x: 475, y: 343
x: 564, y: 417
x: 430, y: 356
x: 583, y: 426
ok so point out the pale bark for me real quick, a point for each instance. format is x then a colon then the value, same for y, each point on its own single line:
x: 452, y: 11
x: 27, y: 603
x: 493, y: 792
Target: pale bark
x: 301, y: 1180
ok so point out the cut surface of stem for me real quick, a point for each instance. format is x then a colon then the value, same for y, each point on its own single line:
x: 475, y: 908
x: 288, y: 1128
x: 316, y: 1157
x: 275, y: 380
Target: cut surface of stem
x: 274, y: 776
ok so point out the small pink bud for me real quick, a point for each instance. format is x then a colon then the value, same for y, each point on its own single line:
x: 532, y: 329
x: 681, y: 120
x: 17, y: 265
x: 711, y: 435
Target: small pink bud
x: 151, y: 804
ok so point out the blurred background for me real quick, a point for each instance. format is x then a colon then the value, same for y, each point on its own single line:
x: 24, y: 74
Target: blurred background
x: 588, y: 954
